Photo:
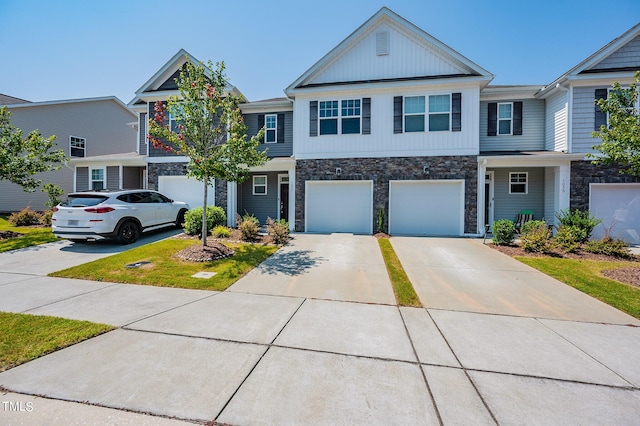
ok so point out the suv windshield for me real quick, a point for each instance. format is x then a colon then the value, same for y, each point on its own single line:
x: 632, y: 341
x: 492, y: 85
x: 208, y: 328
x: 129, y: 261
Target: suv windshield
x: 83, y: 200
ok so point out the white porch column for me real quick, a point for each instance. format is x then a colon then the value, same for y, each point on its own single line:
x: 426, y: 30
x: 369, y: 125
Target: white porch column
x: 232, y: 203
x: 562, y: 199
x: 482, y: 171
x: 292, y: 199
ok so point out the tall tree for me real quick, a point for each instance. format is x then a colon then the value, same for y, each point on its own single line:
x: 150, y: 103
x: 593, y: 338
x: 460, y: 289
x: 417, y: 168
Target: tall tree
x: 204, y: 123
x: 621, y: 137
x: 22, y: 158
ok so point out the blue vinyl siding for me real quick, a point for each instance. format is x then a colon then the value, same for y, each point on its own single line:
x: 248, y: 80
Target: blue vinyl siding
x: 261, y: 206
x: 532, y: 138
x: 507, y: 206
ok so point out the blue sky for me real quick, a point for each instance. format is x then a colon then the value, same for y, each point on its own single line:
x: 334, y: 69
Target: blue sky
x: 68, y: 49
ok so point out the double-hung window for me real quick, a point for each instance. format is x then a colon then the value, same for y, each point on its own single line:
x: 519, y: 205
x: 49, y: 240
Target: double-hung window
x: 77, y: 146
x: 329, y: 117
x: 350, y: 116
x: 505, y: 118
x: 518, y: 183
x: 439, y: 112
x: 414, y: 109
x: 271, y: 128
x: 97, y: 179
x: 260, y: 185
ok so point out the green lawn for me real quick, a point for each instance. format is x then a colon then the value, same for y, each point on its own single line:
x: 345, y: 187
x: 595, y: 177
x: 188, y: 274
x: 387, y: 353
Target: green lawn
x: 402, y: 287
x: 32, y: 236
x: 585, y: 275
x: 166, y: 271
x: 27, y: 337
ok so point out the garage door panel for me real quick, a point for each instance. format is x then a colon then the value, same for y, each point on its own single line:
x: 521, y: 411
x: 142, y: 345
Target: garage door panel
x: 618, y: 205
x: 426, y: 207
x: 183, y: 188
x: 339, y: 207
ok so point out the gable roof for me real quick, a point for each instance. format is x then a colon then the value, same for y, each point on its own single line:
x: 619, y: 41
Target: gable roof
x: 7, y: 100
x: 162, y: 84
x: 113, y: 99
x: 603, y: 60
x: 441, y: 61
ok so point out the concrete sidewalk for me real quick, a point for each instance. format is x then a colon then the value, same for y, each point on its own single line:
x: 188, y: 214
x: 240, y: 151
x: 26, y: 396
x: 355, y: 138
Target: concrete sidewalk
x: 240, y: 357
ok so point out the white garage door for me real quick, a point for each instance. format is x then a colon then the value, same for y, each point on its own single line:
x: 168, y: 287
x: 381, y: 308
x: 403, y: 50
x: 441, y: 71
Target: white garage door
x: 433, y: 207
x: 183, y: 188
x: 618, y: 205
x: 345, y: 206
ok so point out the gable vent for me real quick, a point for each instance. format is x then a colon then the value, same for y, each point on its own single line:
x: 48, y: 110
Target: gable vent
x: 382, y: 43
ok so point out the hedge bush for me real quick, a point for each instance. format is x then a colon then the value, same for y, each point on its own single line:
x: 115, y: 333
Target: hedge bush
x: 193, y: 219
x: 503, y: 231
x: 582, y: 222
x: 25, y: 217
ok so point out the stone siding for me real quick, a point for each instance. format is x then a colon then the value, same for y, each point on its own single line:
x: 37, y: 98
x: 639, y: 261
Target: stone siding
x: 382, y: 170
x: 584, y: 173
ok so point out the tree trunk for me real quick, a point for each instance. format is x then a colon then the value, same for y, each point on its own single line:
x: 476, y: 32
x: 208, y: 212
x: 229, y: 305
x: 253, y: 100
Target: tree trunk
x: 205, y: 231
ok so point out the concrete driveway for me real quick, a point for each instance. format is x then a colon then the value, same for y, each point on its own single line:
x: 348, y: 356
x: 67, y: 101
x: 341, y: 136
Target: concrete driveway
x: 249, y: 356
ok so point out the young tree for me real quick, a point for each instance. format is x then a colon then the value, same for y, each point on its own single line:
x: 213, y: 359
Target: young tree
x: 207, y: 127
x: 621, y: 138
x: 22, y: 158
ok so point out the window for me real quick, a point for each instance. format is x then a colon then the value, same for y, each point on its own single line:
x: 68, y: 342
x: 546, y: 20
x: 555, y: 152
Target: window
x: 260, y: 185
x: 328, y: 117
x: 77, y: 146
x: 414, y: 114
x: 518, y: 183
x: 439, y: 112
x: 97, y: 179
x: 504, y: 118
x: 350, y: 116
x: 271, y: 128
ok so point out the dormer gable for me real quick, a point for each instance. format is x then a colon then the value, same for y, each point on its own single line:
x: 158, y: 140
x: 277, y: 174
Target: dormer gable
x: 388, y: 48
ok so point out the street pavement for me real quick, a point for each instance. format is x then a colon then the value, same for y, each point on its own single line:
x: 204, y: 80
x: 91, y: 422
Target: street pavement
x: 313, y: 336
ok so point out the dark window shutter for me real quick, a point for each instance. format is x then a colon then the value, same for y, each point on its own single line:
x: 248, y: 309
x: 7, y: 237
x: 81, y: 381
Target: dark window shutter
x: 397, y: 114
x: 313, y: 118
x: 517, y: 118
x: 366, y: 116
x: 280, y: 127
x: 492, y: 119
x: 456, y: 112
x: 261, y: 125
x: 601, y: 116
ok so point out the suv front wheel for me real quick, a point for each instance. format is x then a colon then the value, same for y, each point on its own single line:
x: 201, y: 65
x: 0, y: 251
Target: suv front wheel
x: 128, y: 233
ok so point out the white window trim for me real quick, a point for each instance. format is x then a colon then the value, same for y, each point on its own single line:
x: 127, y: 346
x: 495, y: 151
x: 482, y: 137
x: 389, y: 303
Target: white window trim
x: 498, y: 119
x: 414, y: 114
x: 104, y: 177
x: 339, y: 117
x: 84, y: 148
x: 526, y: 183
x: 429, y: 113
x: 343, y: 117
x: 253, y: 187
x: 275, y: 129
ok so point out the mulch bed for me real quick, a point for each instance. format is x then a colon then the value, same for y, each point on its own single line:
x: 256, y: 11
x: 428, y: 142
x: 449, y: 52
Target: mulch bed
x: 214, y: 249
x: 630, y: 275
x: 5, y: 235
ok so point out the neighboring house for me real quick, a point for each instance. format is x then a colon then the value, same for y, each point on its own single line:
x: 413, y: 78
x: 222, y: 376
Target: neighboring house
x: 85, y: 129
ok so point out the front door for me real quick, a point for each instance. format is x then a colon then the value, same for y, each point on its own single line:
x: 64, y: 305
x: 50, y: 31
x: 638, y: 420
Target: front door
x: 488, y: 199
x: 284, y: 201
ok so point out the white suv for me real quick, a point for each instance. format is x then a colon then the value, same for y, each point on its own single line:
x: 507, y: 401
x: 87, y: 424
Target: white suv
x: 123, y: 215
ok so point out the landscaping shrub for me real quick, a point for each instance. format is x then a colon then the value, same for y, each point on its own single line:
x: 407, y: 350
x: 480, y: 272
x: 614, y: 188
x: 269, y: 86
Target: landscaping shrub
x: 536, y: 237
x: 193, y: 219
x: 54, y: 192
x: 380, y: 221
x: 279, y: 230
x: 26, y: 217
x: 608, y: 246
x: 45, y: 217
x: 248, y: 226
x: 582, y: 222
x: 221, y: 231
x: 569, y: 238
x: 503, y: 231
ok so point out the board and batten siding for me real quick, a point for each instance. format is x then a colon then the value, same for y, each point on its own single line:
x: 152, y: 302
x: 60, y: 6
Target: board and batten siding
x: 556, y: 122
x: 284, y: 149
x: 261, y: 206
x: 532, y: 138
x: 628, y: 56
x: 583, y: 120
x: 142, y: 134
x: 507, y: 206
x: 382, y: 142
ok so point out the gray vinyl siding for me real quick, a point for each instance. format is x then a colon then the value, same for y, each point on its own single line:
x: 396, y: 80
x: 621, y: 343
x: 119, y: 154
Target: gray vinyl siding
x: 261, y: 206
x: 153, y: 151
x: 82, y: 178
x: 532, y: 138
x: 113, y: 177
x: 628, y: 56
x: 556, y: 117
x: 274, y: 149
x: 142, y: 134
x: 507, y: 206
x: 132, y: 177
x: 13, y: 198
x: 583, y: 121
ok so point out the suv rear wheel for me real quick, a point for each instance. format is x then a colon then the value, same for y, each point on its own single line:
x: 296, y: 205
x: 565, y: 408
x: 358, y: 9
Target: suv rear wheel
x: 128, y: 233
